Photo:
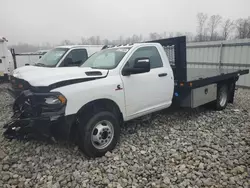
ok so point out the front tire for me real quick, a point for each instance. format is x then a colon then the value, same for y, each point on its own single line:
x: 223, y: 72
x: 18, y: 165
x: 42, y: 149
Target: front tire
x: 98, y: 134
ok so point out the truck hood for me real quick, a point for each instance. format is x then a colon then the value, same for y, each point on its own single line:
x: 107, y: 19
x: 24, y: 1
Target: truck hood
x: 24, y: 69
x: 42, y: 76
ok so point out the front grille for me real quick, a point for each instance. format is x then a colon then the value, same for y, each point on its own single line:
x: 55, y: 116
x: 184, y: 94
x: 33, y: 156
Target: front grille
x: 33, y: 104
x: 25, y: 103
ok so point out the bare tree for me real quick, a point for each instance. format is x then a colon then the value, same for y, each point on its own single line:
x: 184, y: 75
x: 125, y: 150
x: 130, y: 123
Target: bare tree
x: 154, y: 36
x: 135, y: 38
x: 98, y: 40
x: 121, y: 41
x: 189, y: 36
x: 171, y: 34
x: 243, y: 28
x: 83, y: 40
x: 213, y: 23
x: 140, y: 38
x: 248, y: 34
x: 66, y: 42
x: 106, y: 41
x: 227, y: 28
x: 178, y: 34
x: 201, y: 19
x: 128, y: 40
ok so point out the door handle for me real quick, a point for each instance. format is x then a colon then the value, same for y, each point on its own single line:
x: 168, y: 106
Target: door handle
x: 162, y: 74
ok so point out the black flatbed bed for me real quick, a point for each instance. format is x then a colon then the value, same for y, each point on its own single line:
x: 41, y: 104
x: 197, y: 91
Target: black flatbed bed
x: 203, y: 76
x: 196, y: 86
x: 201, y: 73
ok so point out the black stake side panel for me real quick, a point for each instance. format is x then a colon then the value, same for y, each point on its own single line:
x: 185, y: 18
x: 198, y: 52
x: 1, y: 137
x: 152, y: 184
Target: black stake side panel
x: 180, y: 66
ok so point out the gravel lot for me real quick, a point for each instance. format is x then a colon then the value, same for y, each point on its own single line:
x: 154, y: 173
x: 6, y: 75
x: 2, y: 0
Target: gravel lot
x: 179, y: 148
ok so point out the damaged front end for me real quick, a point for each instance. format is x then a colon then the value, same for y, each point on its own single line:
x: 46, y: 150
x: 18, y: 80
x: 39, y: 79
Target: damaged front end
x: 37, y: 115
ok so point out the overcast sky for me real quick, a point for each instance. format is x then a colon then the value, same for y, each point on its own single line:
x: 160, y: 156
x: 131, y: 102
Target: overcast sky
x: 38, y: 21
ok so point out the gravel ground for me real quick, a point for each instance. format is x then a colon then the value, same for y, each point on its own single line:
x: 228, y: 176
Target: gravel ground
x: 179, y: 148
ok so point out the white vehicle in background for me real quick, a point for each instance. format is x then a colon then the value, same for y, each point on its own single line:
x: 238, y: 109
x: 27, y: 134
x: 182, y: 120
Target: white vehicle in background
x: 6, y: 61
x: 61, y: 56
x: 23, y: 59
x: 57, y: 55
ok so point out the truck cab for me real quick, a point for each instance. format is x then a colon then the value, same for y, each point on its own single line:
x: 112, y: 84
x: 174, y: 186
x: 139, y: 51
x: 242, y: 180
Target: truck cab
x: 129, y: 86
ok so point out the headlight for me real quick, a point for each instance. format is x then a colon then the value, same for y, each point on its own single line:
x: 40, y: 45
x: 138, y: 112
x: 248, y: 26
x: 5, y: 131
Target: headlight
x: 55, y: 100
x: 52, y: 100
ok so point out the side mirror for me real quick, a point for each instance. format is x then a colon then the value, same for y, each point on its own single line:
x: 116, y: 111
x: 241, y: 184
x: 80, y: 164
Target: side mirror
x: 141, y: 65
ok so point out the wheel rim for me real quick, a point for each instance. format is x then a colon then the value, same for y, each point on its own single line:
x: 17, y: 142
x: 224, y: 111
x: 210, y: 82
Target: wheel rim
x: 223, y: 97
x: 102, y: 134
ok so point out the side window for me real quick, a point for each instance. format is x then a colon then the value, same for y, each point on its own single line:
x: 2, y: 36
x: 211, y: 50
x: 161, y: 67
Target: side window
x: 0, y: 60
x: 150, y: 52
x: 77, y: 56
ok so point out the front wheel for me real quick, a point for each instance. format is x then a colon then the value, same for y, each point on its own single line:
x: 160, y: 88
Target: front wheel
x: 99, y: 134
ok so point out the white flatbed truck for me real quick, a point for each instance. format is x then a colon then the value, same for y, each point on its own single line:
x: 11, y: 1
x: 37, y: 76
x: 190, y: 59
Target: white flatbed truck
x: 89, y: 103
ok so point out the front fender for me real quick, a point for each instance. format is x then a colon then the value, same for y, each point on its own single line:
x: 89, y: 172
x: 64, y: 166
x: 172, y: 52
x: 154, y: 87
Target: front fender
x: 80, y: 94
x: 73, y: 108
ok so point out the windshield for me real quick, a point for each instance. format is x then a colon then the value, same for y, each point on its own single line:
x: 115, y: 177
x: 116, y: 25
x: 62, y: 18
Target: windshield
x: 52, y: 57
x: 106, y: 59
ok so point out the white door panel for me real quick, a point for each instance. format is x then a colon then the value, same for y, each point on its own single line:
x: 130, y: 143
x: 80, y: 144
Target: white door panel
x: 147, y: 91
x: 150, y: 91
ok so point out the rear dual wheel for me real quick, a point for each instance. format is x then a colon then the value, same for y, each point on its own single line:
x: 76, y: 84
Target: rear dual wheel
x: 222, y: 97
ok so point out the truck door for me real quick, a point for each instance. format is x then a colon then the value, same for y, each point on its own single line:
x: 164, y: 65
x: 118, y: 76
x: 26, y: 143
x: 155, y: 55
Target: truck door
x: 151, y: 91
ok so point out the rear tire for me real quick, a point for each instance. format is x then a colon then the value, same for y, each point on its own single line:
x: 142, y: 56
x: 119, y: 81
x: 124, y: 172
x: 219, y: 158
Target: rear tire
x: 222, y: 97
x: 99, y: 133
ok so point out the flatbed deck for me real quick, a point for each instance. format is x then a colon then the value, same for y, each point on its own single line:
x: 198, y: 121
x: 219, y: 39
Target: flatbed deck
x: 204, y: 73
x: 198, y: 77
